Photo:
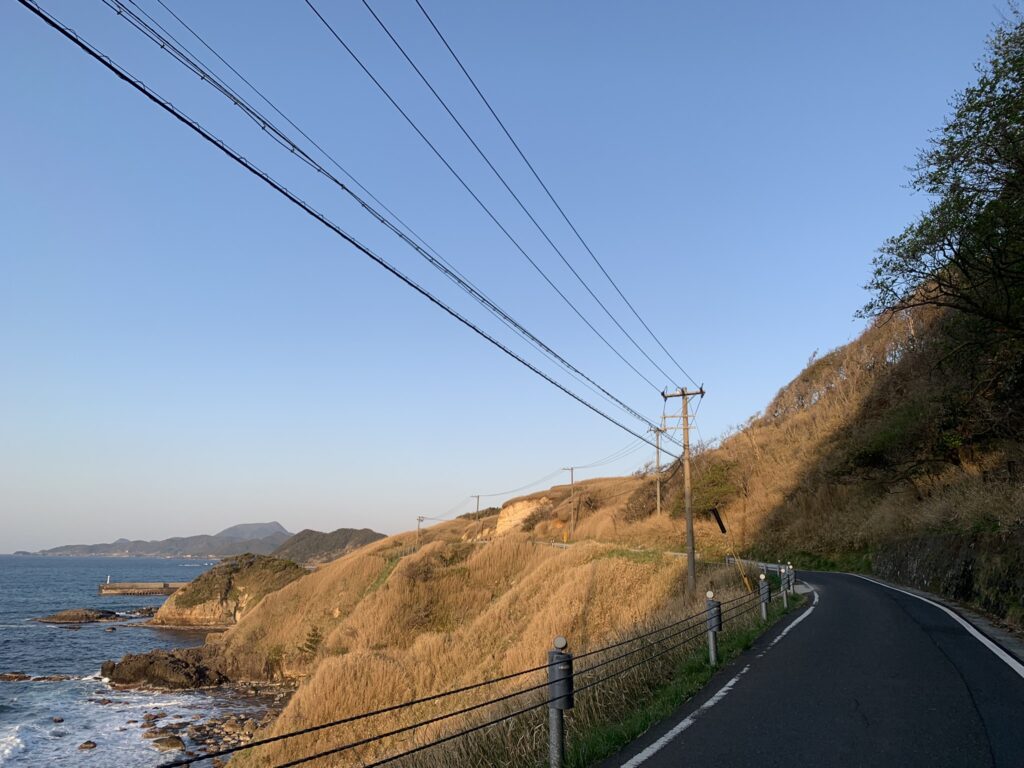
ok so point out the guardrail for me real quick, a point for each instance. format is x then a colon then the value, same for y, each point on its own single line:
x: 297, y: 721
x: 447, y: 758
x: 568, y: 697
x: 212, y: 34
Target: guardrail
x: 563, y: 682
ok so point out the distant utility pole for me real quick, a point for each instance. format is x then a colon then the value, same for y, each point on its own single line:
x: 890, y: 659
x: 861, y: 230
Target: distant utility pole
x: 657, y: 458
x: 572, y: 500
x: 691, y: 556
x: 480, y: 528
x: 419, y: 522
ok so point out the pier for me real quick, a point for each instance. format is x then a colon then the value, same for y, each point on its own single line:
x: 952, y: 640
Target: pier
x: 141, y: 587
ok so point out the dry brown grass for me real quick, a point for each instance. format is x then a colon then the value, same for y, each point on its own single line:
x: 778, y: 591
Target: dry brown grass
x: 512, y: 596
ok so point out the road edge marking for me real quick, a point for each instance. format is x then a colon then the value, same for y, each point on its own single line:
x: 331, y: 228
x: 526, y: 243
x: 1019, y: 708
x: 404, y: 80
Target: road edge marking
x: 652, y: 749
x: 1000, y: 654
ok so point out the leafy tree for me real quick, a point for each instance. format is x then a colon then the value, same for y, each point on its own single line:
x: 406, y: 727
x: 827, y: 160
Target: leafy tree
x: 966, y: 252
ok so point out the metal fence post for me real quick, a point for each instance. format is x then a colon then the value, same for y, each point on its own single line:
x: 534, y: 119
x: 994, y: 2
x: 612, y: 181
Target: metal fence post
x: 560, y: 698
x: 784, y: 586
x: 714, y: 614
x: 792, y: 577
x: 764, y: 592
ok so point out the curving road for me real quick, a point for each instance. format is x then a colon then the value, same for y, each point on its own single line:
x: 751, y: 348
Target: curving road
x: 866, y: 676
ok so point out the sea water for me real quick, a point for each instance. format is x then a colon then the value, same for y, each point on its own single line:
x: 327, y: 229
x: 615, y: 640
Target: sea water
x: 32, y: 586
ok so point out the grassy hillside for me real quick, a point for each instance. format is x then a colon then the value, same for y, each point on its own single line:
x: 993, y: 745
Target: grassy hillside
x: 905, y: 440
x: 314, y: 547
x: 387, y: 622
x: 222, y: 595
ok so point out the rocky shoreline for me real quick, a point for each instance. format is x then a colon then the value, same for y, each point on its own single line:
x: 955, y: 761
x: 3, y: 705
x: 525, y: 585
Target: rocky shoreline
x: 197, y: 736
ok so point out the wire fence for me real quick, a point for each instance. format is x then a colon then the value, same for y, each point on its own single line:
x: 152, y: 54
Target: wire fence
x: 630, y: 657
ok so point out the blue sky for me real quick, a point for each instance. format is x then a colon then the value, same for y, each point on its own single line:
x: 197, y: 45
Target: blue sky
x: 183, y: 350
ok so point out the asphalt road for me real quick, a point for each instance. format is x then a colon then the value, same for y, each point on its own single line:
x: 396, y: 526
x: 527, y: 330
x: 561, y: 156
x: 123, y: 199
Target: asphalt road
x: 868, y: 676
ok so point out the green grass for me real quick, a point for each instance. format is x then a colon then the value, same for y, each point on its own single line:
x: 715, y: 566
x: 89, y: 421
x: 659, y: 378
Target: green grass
x: 852, y: 562
x: 389, y: 566
x: 692, y: 673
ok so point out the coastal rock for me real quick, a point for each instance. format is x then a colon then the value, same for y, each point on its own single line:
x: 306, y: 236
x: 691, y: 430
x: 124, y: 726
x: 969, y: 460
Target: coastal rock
x: 219, y: 597
x: 58, y: 719
x: 80, y: 616
x: 169, y: 744
x: 87, y: 745
x: 164, y: 669
x: 14, y: 677
x: 51, y: 678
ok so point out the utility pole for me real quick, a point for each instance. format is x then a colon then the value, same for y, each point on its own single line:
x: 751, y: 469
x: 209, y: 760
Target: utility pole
x: 419, y: 522
x: 572, y: 500
x: 657, y: 458
x: 691, y: 556
x: 480, y: 528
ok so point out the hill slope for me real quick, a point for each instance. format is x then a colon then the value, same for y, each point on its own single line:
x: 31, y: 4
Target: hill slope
x: 309, y: 546
x: 226, y: 592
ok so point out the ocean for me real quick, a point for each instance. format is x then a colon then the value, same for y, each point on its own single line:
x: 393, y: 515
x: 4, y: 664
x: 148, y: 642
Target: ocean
x: 32, y: 586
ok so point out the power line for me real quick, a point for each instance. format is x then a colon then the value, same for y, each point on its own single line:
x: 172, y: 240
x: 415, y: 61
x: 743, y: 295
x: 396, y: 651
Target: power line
x: 538, y: 481
x: 204, y: 133
x: 548, y: 191
x: 515, y: 197
x: 181, y: 53
x: 473, y: 194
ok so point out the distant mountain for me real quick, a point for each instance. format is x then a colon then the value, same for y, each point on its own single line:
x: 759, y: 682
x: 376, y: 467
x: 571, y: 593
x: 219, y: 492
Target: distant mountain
x: 253, y: 531
x: 315, y: 547
x: 258, y: 538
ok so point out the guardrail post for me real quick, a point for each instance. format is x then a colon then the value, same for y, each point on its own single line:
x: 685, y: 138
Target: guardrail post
x: 784, y: 586
x: 714, y: 614
x: 792, y: 577
x: 765, y: 593
x: 560, y: 698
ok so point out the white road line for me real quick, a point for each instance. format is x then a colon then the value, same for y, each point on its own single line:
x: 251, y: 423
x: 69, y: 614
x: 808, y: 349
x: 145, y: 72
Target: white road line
x: 786, y: 631
x: 684, y: 724
x: 1011, y: 662
x: 722, y: 692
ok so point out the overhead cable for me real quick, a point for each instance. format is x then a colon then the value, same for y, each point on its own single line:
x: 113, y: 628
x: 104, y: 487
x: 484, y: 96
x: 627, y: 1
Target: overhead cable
x: 306, y: 207
x: 490, y: 214
x: 515, y: 197
x: 173, y: 47
x: 547, y: 190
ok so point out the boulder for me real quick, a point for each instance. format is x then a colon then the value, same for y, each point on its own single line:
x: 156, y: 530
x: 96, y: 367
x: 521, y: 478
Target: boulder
x: 169, y: 744
x: 87, y: 745
x: 178, y: 669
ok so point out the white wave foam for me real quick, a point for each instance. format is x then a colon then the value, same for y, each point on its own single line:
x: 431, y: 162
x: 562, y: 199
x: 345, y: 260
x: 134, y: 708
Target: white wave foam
x: 10, y: 744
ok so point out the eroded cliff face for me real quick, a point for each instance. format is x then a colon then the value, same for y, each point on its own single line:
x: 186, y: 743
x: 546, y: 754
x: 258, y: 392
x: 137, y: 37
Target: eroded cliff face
x: 514, y: 514
x: 222, y: 595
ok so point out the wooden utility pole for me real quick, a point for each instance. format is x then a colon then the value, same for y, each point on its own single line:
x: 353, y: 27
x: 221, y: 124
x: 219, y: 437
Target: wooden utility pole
x: 572, y: 500
x: 657, y: 460
x: 691, y: 555
x: 419, y: 522
x: 480, y: 528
